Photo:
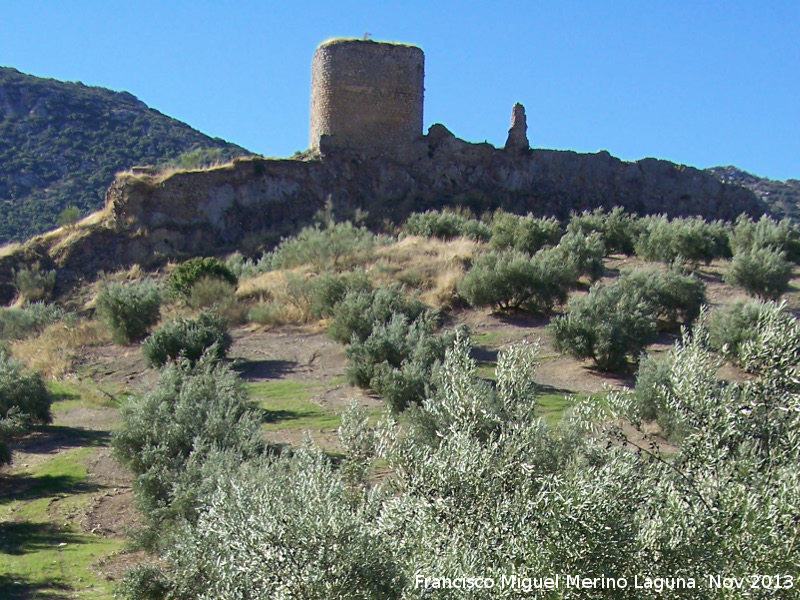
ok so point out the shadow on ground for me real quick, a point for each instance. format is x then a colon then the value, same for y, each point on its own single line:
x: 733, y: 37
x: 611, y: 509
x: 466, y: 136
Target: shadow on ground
x: 49, y: 439
x: 15, y: 587
x: 24, y: 537
x: 25, y: 487
x: 264, y: 369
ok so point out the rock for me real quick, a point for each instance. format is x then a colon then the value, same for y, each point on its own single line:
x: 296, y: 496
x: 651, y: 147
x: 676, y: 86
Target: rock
x: 518, y: 134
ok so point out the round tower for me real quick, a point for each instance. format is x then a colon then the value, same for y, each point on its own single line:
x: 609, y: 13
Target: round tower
x: 366, y: 96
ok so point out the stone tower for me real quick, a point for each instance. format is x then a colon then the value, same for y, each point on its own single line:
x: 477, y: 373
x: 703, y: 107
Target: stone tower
x: 366, y: 96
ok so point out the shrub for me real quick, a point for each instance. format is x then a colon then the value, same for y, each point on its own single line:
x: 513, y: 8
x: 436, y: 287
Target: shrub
x: 189, y: 339
x: 33, y: 284
x: 328, y: 290
x: 396, y: 359
x: 524, y: 234
x: 208, y: 292
x: 68, y: 217
x: 617, y: 229
x: 188, y: 274
x: 24, y: 402
x: 691, y: 238
x: 510, y: 280
x: 446, y: 225
x: 325, y: 247
x: 764, y: 273
x: 651, y: 394
x: 729, y: 329
x: 266, y: 313
x: 748, y: 235
x: 355, y: 316
x: 582, y: 255
x: 289, y: 528
x: 18, y: 323
x: 195, y: 422
x: 607, y: 325
x: 143, y: 582
x: 129, y: 310
x: 674, y: 295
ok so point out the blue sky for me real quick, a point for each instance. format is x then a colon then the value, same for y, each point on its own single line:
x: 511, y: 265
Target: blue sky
x: 699, y: 82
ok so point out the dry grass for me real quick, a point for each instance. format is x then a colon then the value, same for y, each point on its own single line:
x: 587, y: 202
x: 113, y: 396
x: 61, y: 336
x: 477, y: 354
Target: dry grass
x: 430, y: 265
x: 54, y: 350
x: 277, y: 301
x: 155, y: 176
x: 9, y: 249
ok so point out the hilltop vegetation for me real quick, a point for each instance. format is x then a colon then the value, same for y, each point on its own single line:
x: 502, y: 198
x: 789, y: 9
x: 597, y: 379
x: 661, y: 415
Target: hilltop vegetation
x: 481, y: 440
x: 62, y: 143
x: 782, y: 197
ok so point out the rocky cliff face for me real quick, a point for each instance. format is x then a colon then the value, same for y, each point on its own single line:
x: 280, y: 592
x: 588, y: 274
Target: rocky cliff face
x: 782, y: 198
x: 150, y: 217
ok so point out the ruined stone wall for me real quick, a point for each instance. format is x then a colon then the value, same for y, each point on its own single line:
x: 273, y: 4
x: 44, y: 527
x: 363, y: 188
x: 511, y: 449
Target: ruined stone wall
x: 149, y: 219
x: 366, y: 96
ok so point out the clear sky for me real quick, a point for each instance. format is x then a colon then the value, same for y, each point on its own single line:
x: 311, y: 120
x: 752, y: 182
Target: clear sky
x: 698, y: 82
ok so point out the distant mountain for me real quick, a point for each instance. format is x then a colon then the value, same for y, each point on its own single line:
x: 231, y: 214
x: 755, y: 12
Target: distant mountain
x: 61, y: 144
x: 782, y: 197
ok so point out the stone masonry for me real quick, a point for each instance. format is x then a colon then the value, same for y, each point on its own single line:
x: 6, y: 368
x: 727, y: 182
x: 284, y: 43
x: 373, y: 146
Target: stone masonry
x: 366, y: 96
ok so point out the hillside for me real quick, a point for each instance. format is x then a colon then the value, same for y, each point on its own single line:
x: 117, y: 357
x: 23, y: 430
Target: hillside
x: 67, y: 501
x: 61, y: 144
x: 782, y: 197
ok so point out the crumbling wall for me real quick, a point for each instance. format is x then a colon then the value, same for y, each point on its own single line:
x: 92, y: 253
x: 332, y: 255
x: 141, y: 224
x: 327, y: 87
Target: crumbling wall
x: 152, y: 218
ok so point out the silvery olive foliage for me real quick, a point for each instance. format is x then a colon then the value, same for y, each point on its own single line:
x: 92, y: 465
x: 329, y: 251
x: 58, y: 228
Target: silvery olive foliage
x: 478, y: 486
x: 24, y: 402
x: 195, y: 422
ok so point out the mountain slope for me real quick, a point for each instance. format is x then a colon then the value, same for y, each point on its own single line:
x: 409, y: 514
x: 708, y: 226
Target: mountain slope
x: 61, y: 144
x: 782, y: 197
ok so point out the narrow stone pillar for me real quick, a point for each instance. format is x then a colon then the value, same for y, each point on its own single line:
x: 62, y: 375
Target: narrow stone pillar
x: 518, y: 134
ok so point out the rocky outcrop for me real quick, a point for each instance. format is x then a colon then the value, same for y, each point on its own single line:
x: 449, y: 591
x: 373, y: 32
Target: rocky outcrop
x: 517, y: 140
x: 150, y: 218
x: 782, y: 198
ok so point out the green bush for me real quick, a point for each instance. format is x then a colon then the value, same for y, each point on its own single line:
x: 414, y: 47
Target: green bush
x: 691, y: 238
x: 18, y: 323
x: 33, y: 284
x: 144, y: 582
x: 675, y: 295
x: 748, y: 235
x: 196, y: 422
x: 69, y: 216
x: 510, y: 280
x: 189, y: 339
x: 356, y: 314
x: 331, y: 246
x: 129, y: 310
x: 446, y: 225
x: 524, y: 234
x: 209, y: 292
x: 327, y: 290
x: 289, y: 528
x: 396, y: 359
x: 763, y: 272
x: 582, y: 255
x: 186, y: 275
x: 651, y: 394
x: 477, y: 482
x: 617, y: 229
x: 24, y: 402
x: 730, y: 328
x: 608, y: 325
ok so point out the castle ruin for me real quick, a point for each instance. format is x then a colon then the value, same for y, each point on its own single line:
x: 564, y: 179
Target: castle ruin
x: 366, y: 99
x: 366, y: 96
